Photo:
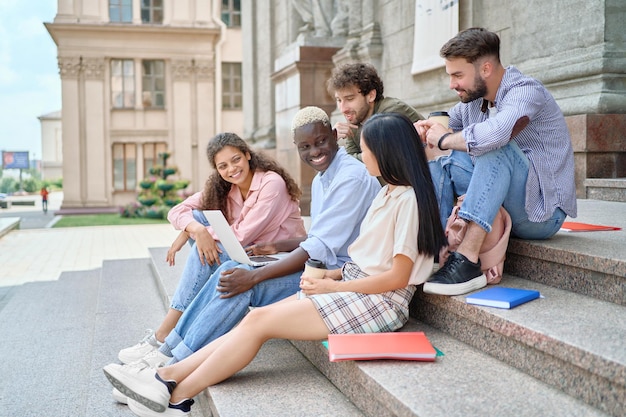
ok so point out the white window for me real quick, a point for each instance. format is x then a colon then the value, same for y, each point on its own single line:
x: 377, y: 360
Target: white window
x: 122, y: 83
x: 152, y: 11
x: 231, y: 13
x: 151, y: 152
x: 121, y: 11
x: 124, y: 166
x: 436, y: 21
x: 153, y: 83
x: 231, y: 86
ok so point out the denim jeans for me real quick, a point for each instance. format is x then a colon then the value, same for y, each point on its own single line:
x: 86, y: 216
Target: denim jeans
x: 451, y: 176
x: 498, y: 179
x: 195, y: 275
x: 209, y: 316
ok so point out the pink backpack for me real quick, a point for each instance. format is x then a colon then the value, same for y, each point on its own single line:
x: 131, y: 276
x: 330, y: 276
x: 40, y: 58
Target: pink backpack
x: 492, y: 252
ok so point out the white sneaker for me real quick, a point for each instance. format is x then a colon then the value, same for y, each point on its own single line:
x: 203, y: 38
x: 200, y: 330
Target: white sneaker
x: 140, y: 383
x: 148, y: 344
x: 119, y: 397
x: 155, y: 359
x: 174, y: 410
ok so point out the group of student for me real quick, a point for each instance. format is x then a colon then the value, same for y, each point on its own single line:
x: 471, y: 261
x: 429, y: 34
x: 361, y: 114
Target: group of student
x: 507, y: 146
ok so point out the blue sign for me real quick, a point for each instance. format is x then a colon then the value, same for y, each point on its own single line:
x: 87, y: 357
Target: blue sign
x: 15, y: 160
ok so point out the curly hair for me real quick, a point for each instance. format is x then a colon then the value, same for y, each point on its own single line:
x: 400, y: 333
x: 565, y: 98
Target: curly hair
x: 216, y: 189
x: 362, y: 75
x: 472, y: 44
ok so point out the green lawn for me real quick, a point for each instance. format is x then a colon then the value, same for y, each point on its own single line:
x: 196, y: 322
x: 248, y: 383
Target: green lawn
x: 103, y: 220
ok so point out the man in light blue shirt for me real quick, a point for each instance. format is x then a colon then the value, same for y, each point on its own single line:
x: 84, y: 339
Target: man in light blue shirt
x: 509, y: 127
x: 341, y: 194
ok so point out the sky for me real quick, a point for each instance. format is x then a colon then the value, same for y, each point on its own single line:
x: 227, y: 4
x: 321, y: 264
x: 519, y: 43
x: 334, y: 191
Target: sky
x: 29, y: 77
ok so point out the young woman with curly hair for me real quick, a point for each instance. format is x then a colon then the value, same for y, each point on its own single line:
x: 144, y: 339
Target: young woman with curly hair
x: 259, y: 199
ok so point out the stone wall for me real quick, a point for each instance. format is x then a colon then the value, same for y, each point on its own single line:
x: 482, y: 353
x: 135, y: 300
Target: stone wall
x: 576, y: 48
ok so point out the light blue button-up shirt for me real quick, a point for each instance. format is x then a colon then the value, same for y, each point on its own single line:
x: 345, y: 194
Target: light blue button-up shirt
x: 340, y: 197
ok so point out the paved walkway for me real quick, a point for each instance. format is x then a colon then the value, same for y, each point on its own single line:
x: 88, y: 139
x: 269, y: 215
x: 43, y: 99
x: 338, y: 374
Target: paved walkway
x: 41, y: 254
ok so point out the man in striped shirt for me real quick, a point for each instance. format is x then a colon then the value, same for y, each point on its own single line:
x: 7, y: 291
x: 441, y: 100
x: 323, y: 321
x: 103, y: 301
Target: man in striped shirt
x: 515, y: 134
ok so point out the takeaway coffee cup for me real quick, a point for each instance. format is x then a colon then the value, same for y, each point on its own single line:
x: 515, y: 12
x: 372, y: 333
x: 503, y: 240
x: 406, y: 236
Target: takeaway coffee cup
x: 314, y: 268
x: 441, y: 117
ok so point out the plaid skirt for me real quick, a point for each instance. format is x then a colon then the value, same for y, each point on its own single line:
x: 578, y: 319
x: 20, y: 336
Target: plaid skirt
x: 353, y: 312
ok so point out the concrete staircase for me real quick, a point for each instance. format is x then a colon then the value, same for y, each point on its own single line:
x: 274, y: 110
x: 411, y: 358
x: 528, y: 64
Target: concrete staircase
x: 561, y: 355
x: 57, y: 336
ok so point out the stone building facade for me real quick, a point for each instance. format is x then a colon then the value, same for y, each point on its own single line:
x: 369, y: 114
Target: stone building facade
x: 140, y: 78
x: 576, y: 48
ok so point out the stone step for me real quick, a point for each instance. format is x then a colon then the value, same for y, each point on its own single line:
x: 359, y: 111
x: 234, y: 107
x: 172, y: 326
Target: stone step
x: 570, y: 341
x: 9, y: 223
x: 463, y: 382
x: 128, y: 303
x: 557, y: 346
x: 608, y: 189
x: 589, y: 263
x: 47, y: 332
x: 57, y: 336
x: 278, y: 382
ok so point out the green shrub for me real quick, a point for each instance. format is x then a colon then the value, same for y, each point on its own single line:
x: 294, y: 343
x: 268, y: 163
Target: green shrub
x: 58, y: 183
x: 9, y: 185
x: 31, y: 185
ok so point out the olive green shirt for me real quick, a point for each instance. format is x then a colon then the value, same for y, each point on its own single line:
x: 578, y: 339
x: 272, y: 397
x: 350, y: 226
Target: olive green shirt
x: 386, y: 105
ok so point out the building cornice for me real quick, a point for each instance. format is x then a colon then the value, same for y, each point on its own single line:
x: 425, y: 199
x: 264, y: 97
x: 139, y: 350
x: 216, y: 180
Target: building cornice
x: 109, y: 35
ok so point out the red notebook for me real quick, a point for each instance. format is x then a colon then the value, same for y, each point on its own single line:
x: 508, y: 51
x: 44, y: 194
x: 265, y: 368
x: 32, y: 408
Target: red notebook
x: 585, y: 227
x: 413, y: 346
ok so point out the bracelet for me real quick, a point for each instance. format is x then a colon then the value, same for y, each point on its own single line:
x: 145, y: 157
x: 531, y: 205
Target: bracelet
x: 445, y: 135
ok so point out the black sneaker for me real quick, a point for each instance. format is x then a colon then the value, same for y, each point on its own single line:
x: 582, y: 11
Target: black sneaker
x: 457, y: 276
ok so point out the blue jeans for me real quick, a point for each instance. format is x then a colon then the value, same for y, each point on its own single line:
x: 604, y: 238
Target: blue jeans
x: 209, y: 316
x: 451, y: 177
x: 498, y: 179
x: 195, y: 275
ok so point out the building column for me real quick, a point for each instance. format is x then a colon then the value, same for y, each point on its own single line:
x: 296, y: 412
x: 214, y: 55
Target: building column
x: 300, y: 81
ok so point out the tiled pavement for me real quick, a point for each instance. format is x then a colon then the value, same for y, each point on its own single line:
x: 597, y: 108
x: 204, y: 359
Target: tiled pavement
x: 28, y: 255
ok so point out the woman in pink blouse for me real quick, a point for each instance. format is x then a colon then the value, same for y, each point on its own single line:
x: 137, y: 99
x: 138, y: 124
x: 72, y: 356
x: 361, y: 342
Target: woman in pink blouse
x: 259, y: 199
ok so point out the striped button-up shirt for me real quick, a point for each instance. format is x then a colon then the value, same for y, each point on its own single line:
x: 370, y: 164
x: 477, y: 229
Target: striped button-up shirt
x: 545, y: 140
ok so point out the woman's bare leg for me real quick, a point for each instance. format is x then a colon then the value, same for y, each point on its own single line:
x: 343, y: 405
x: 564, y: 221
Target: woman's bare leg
x: 293, y: 319
x: 168, y: 324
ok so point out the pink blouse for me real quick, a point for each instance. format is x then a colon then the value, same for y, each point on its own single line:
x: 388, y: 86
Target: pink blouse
x: 268, y: 213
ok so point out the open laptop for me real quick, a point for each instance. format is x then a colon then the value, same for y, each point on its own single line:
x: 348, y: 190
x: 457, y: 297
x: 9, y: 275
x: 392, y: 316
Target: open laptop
x: 227, y: 237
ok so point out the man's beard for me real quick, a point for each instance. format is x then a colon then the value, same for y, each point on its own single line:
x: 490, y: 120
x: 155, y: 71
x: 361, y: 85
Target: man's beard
x: 480, y: 90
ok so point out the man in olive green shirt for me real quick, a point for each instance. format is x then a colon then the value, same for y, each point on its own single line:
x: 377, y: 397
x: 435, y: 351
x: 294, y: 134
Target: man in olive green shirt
x: 358, y: 90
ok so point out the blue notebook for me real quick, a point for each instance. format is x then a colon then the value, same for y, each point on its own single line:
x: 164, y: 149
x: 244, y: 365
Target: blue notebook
x: 502, y: 297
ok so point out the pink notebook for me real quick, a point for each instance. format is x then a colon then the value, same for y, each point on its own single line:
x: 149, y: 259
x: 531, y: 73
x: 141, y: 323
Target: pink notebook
x: 393, y: 345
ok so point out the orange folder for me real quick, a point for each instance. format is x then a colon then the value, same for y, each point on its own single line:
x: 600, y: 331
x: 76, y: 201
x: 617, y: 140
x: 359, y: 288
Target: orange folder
x: 585, y: 227
x: 392, y: 345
